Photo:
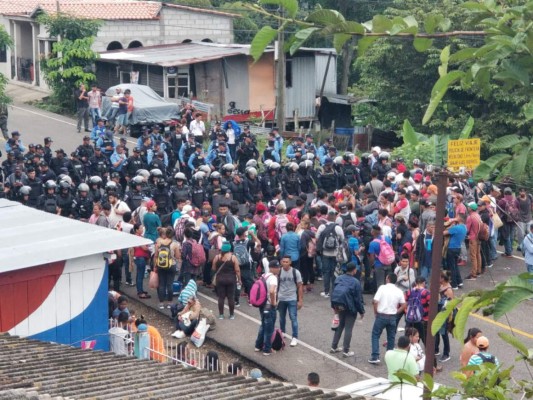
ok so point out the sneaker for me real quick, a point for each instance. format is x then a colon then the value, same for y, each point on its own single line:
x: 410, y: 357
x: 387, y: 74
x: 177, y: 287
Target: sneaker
x: 437, y: 353
x: 237, y: 305
x: 455, y: 288
x: 257, y: 350
x: 324, y: 294
x: 374, y: 361
x: 332, y: 350
x: 267, y: 354
x: 161, y: 306
x: 169, y: 306
x: 400, y: 329
x: 319, y: 278
x: 470, y: 278
x: 232, y: 316
x: 444, y: 358
x: 294, y: 342
x: 460, y: 284
x: 490, y: 265
x: 348, y: 354
x: 508, y: 255
x: 221, y: 316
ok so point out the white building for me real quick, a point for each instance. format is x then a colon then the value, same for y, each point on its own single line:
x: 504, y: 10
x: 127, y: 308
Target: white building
x: 125, y: 24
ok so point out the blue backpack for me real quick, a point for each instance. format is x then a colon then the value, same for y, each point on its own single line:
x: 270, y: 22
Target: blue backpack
x: 415, y: 310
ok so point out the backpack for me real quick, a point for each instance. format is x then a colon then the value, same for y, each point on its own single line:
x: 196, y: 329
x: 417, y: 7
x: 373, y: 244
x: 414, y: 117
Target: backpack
x: 179, y: 227
x: 487, y: 358
x: 415, y: 311
x: 513, y: 213
x: 164, y: 257
x: 259, y: 292
x: 386, y: 254
x: 197, y: 257
x: 311, y: 247
x: 330, y: 239
x: 347, y: 220
x: 240, y: 249
x: 483, y: 233
x: 372, y: 218
x: 278, y: 341
x: 281, y: 225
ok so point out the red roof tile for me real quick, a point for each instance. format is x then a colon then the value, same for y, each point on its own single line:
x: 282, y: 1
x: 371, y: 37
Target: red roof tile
x: 98, y: 9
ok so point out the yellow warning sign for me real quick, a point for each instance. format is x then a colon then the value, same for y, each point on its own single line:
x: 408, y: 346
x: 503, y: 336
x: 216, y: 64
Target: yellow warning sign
x: 463, y: 153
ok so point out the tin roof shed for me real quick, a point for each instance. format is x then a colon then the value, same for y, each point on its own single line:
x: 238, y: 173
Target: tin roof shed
x: 30, y: 237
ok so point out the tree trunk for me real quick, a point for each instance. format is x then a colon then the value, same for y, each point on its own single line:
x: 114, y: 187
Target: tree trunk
x: 348, y: 55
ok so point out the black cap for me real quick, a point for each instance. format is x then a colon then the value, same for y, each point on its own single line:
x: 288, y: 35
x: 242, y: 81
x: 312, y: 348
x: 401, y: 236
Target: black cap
x: 156, y: 127
x: 38, y: 147
x: 43, y: 163
x: 31, y: 146
x: 48, y: 139
x: 86, y: 137
x: 273, y: 264
x: 15, y: 133
x: 60, y: 151
x: 10, y: 153
x: 136, y: 150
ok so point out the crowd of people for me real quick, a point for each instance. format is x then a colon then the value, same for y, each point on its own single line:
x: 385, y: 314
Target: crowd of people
x: 301, y: 215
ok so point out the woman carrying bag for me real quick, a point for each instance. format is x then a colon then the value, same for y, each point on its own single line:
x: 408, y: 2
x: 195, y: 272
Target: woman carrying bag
x: 227, y: 276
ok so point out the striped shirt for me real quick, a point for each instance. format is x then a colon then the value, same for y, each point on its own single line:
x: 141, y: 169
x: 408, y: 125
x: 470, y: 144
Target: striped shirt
x: 477, y: 359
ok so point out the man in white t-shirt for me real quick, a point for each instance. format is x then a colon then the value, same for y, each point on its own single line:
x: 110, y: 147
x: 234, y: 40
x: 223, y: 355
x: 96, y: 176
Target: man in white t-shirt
x: 118, y: 208
x: 111, y: 114
x: 388, y: 302
x: 120, y: 340
x: 197, y: 128
x: 290, y: 296
x: 268, y: 311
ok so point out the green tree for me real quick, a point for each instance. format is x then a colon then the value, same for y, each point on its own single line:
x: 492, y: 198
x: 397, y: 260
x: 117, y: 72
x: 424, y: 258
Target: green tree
x: 71, y: 61
x: 5, y: 41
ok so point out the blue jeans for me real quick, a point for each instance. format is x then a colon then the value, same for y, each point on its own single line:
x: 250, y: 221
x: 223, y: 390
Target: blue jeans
x: 283, y: 306
x: 328, y: 268
x: 95, y: 114
x: 508, y: 239
x: 140, y: 264
x: 493, y: 242
x: 530, y: 270
x: 111, y: 115
x: 126, y: 263
x: 452, y: 256
x: 381, y: 322
x: 264, y: 336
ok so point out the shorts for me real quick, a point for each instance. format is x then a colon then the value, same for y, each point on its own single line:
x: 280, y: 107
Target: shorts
x: 122, y: 119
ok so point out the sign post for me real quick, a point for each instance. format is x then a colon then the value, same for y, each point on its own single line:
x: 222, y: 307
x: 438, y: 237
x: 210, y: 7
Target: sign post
x: 463, y: 153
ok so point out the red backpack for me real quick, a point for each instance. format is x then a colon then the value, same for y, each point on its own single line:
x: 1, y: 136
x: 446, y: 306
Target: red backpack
x: 197, y: 257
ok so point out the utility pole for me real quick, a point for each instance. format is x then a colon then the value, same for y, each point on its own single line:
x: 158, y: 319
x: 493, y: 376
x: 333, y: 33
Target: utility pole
x: 436, y: 262
x: 280, y: 106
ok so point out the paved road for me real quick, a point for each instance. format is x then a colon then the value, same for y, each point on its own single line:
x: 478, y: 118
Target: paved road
x: 315, y: 317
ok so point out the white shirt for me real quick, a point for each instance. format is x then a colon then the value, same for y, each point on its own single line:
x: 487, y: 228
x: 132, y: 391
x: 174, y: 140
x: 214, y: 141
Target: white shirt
x: 119, y: 340
x: 388, y: 298
x: 117, y: 210
x: 114, y: 100
x: 231, y: 135
x: 197, y: 128
x: 271, y: 280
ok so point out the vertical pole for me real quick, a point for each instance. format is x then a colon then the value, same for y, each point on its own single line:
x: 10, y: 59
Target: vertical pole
x: 436, y: 261
x: 280, y: 107
x: 322, y: 87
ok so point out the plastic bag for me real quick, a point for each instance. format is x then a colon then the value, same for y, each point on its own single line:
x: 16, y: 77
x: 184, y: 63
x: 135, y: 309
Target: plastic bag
x: 153, y: 283
x: 335, y: 322
x: 198, y: 336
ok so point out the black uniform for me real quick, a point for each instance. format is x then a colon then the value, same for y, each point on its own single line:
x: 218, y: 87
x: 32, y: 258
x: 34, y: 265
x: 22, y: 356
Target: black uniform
x: 36, y: 191
x: 246, y: 153
x: 82, y: 207
x: 327, y: 180
x: 252, y: 187
x: 99, y: 165
x: 48, y: 203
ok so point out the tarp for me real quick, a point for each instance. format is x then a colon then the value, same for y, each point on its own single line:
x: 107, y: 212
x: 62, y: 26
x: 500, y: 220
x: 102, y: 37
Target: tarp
x: 149, y: 107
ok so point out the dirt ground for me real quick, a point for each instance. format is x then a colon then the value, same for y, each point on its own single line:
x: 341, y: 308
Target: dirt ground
x: 166, y: 327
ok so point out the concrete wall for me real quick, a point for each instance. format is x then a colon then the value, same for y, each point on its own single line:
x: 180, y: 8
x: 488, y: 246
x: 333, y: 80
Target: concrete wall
x: 174, y: 26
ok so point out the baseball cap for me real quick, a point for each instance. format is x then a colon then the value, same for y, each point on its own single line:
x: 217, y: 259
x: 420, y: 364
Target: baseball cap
x: 273, y: 264
x: 150, y: 204
x: 351, y: 228
x: 508, y: 191
x: 332, y: 212
x: 472, y: 205
x: 261, y: 207
x: 48, y: 139
x: 418, y: 177
x: 482, y: 342
x: 86, y: 137
x: 186, y: 209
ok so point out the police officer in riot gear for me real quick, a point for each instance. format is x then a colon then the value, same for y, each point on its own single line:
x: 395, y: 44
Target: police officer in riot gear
x: 219, y: 157
x: 48, y: 200
x: 198, y: 192
x: 65, y: 199
x: 161, y: 196
x: 291, y: 184
x: 99, y: 164
x: 245, y: 152
x: 327, y: 178
x: 134, y: 164
x: 252, y: 186
x: 95, y: 188
x: 306, y: 173
x: 270, y: 180
x: 82, y: 206
x: 134, y: 196
x: 180, y: 189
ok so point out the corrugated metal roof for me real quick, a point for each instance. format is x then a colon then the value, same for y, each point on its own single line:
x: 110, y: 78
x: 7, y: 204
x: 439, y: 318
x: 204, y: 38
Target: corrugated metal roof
x: 176, y: 54
x: 31, y: 237
x: 59, y: 370
x: 345, y: 99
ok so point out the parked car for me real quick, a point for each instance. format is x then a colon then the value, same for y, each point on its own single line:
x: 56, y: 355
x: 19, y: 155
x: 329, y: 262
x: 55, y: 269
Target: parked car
x: 149, y: 108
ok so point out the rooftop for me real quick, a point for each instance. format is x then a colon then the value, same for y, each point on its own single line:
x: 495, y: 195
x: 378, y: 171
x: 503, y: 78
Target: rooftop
x: 30, y: 237
x: 97, y: 9
x: 59, y: 370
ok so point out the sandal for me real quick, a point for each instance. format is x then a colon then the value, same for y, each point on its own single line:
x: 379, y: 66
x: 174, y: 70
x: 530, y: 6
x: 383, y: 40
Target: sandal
x: 144, y: 296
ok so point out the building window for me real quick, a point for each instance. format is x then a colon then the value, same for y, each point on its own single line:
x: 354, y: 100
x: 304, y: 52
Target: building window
x: 114, y: 46
x: 288, y: 72
x: 178, y: 82
x: 125, y: 77
x: 3, y: 54
x: 135, y: 44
